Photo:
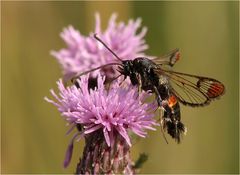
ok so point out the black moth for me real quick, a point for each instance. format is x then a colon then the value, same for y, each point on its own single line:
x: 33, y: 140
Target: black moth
x: 169, y: 87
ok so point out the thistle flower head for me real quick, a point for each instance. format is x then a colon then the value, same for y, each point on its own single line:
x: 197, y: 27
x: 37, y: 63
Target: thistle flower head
x: 117, y: 110
x: 84, y: 53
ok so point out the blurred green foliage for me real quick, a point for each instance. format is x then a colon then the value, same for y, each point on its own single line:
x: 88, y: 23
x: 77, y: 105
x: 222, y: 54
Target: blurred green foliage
x: 33, y: 133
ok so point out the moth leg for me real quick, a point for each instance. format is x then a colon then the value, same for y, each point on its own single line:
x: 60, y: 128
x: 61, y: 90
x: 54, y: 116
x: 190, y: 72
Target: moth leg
x: 122, y: 80
x: 108, y: 82
x: 160, y: 104
x: 139, y: 84
x: 161, y: 126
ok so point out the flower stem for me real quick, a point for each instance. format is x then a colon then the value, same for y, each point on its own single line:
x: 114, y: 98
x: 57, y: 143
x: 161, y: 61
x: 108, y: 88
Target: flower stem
x: 99, y: 158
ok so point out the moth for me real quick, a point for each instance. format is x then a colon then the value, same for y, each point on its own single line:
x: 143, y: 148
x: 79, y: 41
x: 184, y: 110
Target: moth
x: 170, y: 87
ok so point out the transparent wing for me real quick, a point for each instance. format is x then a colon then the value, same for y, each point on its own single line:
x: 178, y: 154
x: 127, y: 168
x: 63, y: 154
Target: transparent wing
x: 193, y: 90
x: 169, y: 59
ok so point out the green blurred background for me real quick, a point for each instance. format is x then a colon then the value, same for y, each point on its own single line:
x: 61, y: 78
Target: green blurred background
x: 32, y: 131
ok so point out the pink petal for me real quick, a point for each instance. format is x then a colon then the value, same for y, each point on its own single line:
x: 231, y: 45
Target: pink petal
x: 124, y: 133
x: 106, y: 135
x: 92, y: 129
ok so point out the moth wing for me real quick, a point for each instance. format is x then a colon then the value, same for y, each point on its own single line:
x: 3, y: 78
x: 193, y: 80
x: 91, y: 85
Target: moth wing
x: 193, y: 90
x: 168, y: 59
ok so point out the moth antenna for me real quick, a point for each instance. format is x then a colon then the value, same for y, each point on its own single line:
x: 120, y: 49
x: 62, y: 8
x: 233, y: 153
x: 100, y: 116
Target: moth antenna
x: 91, y: 70
x: 96, y: 37
x: 94, y: 69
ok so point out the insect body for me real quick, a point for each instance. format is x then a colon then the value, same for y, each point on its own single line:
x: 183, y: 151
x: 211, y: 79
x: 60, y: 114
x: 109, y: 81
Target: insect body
x: 169, y: 87
x: 142, y: 72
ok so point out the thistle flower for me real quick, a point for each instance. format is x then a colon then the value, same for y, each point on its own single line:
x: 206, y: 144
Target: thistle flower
x: 84, y: 53
x: 119, y: 108
x: 108, y: 116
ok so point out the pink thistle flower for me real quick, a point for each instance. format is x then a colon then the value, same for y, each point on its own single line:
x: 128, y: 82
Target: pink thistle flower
x: 118, y: 109
x: 111, y: 114
x: 84, y: 53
